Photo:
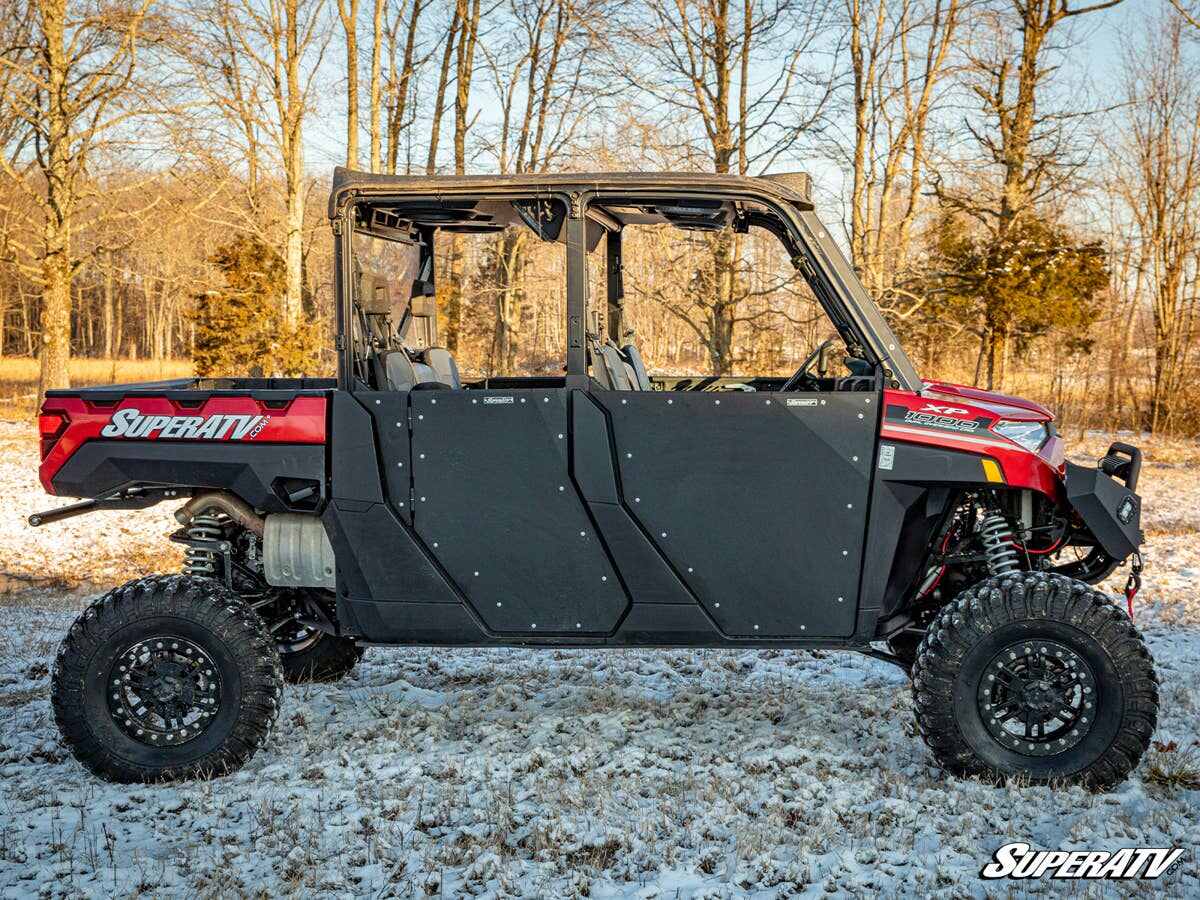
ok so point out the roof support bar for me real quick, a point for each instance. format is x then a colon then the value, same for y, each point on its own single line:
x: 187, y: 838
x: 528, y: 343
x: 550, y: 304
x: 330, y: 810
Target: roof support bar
x: 577, y: 288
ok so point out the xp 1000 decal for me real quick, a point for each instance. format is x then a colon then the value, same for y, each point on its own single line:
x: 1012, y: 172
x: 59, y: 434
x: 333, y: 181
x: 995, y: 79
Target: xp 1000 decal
x: 939, y: 417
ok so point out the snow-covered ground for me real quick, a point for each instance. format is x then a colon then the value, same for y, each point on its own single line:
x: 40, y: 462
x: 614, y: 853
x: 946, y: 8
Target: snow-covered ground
x: 560, y: 773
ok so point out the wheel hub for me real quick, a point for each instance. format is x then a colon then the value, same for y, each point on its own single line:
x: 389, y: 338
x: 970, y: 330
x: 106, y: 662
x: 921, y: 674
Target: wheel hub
x: 163, y: 691
x: 1037, y: 698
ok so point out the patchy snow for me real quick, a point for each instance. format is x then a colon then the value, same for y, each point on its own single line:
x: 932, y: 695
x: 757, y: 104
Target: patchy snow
x: 558, y: 773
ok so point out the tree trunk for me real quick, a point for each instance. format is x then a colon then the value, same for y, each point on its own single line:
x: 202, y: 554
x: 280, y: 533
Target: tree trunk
x: 510, y: 260
x: 349, y: 17
x: 464, y: 66
x: 56, y: 311
x: 107, y: 316
x: 60, y: 202
x: 376, y: 87
x: 439, y: 103
x: 293, y: 301
x: 450, y: 298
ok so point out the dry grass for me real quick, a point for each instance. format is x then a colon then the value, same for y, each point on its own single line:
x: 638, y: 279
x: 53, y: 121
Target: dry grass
x: 1174, y: 768
x: 19, y: 378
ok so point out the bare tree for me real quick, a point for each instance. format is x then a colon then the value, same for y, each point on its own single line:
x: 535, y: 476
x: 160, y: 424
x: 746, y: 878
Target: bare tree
x: 1160, y: 183
x: 466, y: 17
x: 1028, y: 145
x: 458, y: 12
x: 544, y: 72
x: 403, y: 65
x: 285, y: 40
x: 746, y: 73
x: 348, y: 13
x: 899, y: 55
x: 67, y: 89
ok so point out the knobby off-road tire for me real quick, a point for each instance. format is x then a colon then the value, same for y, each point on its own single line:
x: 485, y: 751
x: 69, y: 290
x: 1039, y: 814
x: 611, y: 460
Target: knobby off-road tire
x: 166, y: 677
x: 328, y: 658
x: 1023, y: 642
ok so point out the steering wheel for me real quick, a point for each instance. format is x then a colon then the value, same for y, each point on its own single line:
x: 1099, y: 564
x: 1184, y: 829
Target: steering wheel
x: 802, y: 373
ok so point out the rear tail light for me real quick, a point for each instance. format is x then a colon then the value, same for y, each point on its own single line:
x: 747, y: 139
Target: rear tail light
x: 50, y: 427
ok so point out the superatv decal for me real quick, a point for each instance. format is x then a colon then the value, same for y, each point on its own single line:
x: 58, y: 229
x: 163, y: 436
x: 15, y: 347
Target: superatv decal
x: 133, y: 423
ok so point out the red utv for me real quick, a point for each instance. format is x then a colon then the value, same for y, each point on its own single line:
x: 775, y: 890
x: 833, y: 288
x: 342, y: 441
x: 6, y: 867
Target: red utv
x: 936, y: 526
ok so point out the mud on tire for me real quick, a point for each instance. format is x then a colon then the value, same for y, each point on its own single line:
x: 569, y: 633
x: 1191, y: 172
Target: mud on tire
x: 164, y: 678
x: 1035, y: 675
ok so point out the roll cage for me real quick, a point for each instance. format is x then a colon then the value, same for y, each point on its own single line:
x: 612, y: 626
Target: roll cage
x: 581, y: 210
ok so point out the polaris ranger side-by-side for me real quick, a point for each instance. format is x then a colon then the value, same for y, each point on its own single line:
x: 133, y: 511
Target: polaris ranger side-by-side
x: 933, y: 525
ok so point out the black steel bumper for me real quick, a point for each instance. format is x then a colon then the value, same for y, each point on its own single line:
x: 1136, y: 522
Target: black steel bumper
x: 1105, y: 499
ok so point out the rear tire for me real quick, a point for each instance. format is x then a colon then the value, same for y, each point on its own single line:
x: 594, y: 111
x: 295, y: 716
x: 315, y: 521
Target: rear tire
x: 164, y: 678
x: 1035, y: 675
x: 306, y: 653
x: 328, y: 658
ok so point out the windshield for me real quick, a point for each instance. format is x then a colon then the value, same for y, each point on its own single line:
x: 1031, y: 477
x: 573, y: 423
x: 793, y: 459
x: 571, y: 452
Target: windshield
x: 384, y: 271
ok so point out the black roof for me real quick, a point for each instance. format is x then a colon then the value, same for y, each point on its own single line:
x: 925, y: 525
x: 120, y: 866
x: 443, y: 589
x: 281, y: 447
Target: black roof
x: 791, y: 187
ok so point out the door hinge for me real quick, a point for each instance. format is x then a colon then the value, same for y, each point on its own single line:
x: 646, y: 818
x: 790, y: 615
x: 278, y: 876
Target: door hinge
x: 337, y: 227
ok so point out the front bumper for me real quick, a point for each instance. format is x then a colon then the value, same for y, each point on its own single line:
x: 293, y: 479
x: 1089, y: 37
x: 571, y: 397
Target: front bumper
x: 1105, y: 499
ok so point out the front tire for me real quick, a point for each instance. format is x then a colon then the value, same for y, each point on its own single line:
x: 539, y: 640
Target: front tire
x: 164, y: 678
x: 1035, y: 675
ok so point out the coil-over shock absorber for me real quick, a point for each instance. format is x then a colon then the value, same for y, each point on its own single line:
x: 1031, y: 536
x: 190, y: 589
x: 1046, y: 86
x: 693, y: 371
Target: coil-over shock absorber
x: 205, y: 530
x: 997, y: 539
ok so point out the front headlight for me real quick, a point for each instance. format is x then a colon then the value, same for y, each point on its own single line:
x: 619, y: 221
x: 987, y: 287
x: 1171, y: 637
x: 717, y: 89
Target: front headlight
x: 1030, y: 435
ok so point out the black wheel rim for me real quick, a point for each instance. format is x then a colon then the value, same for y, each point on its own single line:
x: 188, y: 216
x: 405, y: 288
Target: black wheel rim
x: 1037, y: 698
x: 163, y: 691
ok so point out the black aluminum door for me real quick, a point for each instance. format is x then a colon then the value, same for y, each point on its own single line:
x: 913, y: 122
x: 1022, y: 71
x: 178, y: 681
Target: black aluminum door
x: 759, y: 501
x: 494, y: 502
